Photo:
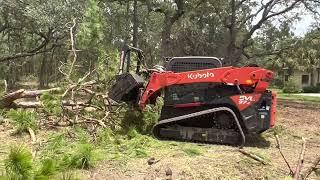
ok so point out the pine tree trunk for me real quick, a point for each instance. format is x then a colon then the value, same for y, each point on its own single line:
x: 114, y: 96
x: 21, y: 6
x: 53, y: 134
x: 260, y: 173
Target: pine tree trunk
x: 135, y: 24
x: 43, y: 75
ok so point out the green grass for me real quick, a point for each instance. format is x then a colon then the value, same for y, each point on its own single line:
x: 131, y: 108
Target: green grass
x: 192, y: 151
x: 296, y: 97
x: 299, y: 98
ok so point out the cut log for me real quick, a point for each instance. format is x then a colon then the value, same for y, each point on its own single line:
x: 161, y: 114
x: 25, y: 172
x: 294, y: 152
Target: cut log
x: 37, y: 104
x: 7, y: 101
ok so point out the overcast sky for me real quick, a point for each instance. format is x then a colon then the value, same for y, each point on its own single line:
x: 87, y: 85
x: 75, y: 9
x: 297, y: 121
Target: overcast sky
x: 301, y: 27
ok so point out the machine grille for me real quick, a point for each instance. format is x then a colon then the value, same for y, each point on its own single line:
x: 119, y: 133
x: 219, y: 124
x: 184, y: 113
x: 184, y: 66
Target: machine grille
x: 183, y: 64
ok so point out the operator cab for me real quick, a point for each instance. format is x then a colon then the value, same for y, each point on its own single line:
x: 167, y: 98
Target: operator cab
x: 197, y: 93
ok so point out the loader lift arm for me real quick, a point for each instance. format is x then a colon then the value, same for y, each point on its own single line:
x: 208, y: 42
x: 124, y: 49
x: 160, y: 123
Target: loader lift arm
x: 254, y: 77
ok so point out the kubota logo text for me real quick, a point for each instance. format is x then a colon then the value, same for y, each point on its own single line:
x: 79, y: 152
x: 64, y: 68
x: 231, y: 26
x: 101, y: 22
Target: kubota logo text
x: 200, y: 75
x: 246, y: 99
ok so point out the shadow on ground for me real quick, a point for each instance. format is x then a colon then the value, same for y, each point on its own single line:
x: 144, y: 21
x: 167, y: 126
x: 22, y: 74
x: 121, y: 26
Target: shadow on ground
x: 256, y: 140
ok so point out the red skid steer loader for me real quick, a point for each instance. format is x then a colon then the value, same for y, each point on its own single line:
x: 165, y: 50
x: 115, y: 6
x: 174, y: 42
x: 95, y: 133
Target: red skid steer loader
x: 203, y: 101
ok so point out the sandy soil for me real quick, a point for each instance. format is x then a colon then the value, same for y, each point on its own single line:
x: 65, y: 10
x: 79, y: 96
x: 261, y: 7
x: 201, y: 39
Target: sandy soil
x: 294, y: 120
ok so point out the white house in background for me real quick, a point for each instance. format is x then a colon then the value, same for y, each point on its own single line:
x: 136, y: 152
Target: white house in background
x: 304, y: 78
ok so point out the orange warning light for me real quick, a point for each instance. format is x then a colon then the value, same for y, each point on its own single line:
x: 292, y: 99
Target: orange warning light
x: 249, y: 81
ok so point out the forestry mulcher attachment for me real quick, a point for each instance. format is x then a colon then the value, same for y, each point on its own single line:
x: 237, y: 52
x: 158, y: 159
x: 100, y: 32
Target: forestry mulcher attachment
x: 203, y: 101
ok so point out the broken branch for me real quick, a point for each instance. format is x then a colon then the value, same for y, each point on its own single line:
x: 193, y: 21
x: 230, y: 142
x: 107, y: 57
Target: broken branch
x: 312, y: 168
x: 32, y: 135
x: 300, y: 161
x: 280, y: 150
x: 73, y: 49
x: 253, y: 157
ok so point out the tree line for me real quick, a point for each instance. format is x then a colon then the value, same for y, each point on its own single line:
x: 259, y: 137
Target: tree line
x: 35, y: 35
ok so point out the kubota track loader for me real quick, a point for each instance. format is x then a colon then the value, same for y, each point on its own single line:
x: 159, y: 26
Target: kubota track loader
x: 203, y: 101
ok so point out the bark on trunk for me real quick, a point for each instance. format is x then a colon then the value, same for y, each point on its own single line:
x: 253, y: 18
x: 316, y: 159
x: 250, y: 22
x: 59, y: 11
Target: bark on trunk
x: 233, y: 54
x: 165, y: 36
x: 135, y: 24
x: 43, y: 75
x: 169, y: 20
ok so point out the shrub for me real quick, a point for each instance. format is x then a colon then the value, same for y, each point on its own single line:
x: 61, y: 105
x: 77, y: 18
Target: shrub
x: 18, y: 165
x: 311, y: 89
x: 277, y: 83
x: 23, y: 120
x: 290, y: 87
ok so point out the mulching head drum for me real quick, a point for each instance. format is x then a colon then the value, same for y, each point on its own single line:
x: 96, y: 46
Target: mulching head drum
x: 126, y: 88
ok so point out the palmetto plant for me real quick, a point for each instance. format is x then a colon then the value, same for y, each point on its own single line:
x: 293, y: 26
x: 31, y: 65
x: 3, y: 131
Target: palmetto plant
x: 18, y: 164
x: 23, y: 120
x: 52, y: 104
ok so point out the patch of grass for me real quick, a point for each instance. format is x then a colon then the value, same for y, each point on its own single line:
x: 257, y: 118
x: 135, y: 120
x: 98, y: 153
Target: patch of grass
x: 135, y: 145
x: 192, y: 151
x: 296, y: 97
x: 71, y: 154
x: 19, y: 164
x: 130, y: 145
x: 68, y: 175
x: 23, y: 120
x: 189, y: 149
x: 278, y: 130
x: 56, y: 141
x: 105, y: 136
x: 82, y: 135
x: 83, y: 157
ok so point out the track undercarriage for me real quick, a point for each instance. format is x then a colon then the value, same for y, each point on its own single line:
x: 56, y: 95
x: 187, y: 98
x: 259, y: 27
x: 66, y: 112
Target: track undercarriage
x: 207, y: 126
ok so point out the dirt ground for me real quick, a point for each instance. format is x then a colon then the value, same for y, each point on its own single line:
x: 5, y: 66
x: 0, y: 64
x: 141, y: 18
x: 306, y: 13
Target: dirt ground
x: 294, y: 120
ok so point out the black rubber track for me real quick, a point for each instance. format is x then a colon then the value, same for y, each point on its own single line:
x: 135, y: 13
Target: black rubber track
x: 174, y: 120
